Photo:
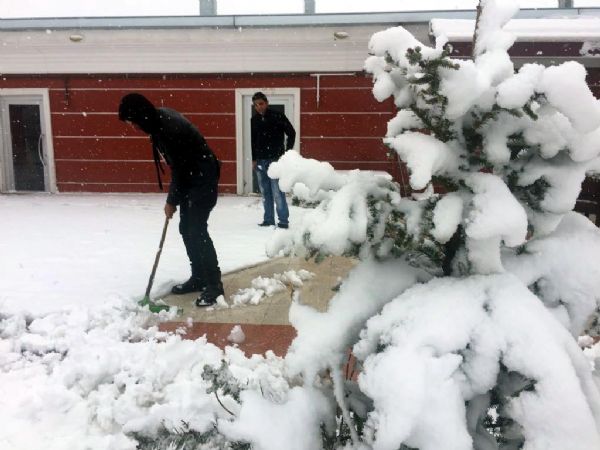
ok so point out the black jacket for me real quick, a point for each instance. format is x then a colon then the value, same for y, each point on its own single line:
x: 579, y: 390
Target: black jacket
x: 192, y: 162
x: 267, y: 135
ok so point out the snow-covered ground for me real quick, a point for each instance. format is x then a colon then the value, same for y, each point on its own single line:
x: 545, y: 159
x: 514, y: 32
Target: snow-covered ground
x: 61, y: 251
x: 80, y: 364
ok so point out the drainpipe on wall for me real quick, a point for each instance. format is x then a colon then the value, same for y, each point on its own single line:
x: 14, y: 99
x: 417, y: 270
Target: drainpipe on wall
x: 208, y: 7
x: 318, y: 77
x: 309, y: 6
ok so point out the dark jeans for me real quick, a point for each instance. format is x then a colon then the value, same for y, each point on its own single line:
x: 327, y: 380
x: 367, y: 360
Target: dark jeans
x: 269, y: 188
x: 194, y: 211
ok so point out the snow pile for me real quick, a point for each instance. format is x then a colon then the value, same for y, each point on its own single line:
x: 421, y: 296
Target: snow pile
x: 563, y: 271
x: 324, y: 337
x: 425, y: 157
x: 490, y: 32
x: 484, y: 320
x: 294, y: 424
x: 262, y: 287
x: 343, y: 218
x: 81, y: 366
x: 237, y: 335
x: 495, y: 216
x: 92, y: 378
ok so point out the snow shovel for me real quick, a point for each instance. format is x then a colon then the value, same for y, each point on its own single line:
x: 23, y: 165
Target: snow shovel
x: 152, y: 306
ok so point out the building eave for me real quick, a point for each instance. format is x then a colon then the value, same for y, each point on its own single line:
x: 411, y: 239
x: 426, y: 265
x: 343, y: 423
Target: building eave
x: 192, y: 45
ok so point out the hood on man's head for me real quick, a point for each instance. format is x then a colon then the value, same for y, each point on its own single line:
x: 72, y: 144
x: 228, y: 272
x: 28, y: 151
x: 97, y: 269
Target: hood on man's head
x: 138, y: 109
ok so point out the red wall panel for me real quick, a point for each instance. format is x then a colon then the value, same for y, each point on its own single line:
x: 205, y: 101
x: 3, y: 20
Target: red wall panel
x: 528, y: 49
x: 383, y: 166
x: 107, y: 171
x: 96, y: 152
x: 138, y: 148
x: 107, y: 100
x: 75, y: 124
x: 120, y: 172
x: 101, y: 148
x: 341, y: 124
x: 344, y: 149
x: 33, y: 81
x: 343, y: 100
x: 64, y: 186
x: 117, y: 187
x: 170, y: 81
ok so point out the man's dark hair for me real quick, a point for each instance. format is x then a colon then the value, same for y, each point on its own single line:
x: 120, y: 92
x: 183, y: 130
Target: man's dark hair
x: 259, y: 96
x: 138, y: 109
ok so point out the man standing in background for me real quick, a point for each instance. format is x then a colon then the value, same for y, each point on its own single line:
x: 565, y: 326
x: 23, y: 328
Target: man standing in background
x: 268, y: 128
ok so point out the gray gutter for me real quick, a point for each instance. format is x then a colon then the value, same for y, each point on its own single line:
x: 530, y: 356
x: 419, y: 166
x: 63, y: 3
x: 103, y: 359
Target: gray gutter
x: 272, y: 20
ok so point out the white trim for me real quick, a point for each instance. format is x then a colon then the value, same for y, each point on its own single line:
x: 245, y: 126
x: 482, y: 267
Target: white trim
x: 46, y: 127
x: 239, y: 125
x: 194, y: 50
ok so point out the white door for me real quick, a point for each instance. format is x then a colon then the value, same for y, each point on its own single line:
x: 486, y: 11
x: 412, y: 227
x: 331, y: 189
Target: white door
x: 24, y: 155
x: 287, y: 103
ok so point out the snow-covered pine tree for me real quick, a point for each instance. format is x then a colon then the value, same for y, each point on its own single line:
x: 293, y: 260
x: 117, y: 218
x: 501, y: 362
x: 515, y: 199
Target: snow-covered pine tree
x: 467, y: 300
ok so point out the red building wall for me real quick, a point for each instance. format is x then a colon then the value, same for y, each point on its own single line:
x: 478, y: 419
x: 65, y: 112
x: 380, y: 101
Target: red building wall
x: 95, y: 152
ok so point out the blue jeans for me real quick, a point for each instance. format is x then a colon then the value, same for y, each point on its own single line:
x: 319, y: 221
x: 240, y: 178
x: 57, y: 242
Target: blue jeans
x: 269, y: 188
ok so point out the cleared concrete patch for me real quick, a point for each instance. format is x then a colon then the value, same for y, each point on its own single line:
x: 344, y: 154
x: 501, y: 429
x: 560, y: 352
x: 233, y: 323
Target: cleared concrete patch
x: 272, y: 310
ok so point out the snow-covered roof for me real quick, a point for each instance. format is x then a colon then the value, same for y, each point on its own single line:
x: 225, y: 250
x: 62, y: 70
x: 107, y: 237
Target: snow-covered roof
x: 574, y: 29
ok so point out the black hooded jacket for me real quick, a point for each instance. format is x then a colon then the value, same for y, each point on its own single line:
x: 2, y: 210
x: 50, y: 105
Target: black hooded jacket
x: 194, y: 167
x: 192, y: 162
x: 267, y: 133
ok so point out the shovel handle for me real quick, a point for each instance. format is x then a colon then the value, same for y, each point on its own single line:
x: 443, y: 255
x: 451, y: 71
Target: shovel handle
x: 157, y: 258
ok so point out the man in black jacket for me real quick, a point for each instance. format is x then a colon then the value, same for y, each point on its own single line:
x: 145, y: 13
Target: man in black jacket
x: 194, y: 186
x: 268, y: 128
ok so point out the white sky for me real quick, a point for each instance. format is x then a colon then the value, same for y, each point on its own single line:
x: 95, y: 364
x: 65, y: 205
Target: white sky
x: 88, y: 8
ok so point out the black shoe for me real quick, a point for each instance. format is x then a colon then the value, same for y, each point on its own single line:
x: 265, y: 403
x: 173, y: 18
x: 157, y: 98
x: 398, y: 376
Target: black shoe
x: 266, y: 224
x: 191, y: 285
x: 203, y: 302
x: 282, y: 225
x: 208, y: 297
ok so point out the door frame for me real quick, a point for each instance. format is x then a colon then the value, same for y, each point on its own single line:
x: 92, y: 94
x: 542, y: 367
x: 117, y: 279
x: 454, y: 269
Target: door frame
x: 46, y: 129
x: 239, y: 124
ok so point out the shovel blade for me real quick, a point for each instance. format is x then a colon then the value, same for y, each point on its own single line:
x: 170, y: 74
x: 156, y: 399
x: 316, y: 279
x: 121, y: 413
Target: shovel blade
x: 153, y: 307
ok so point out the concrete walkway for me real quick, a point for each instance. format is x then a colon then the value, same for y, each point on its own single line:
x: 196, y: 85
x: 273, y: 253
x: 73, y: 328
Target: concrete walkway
x: 265, y: 325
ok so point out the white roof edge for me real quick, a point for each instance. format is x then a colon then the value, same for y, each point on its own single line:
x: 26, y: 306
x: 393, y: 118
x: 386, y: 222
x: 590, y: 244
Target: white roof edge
x: 578, y: 29
x: 271, y: 20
